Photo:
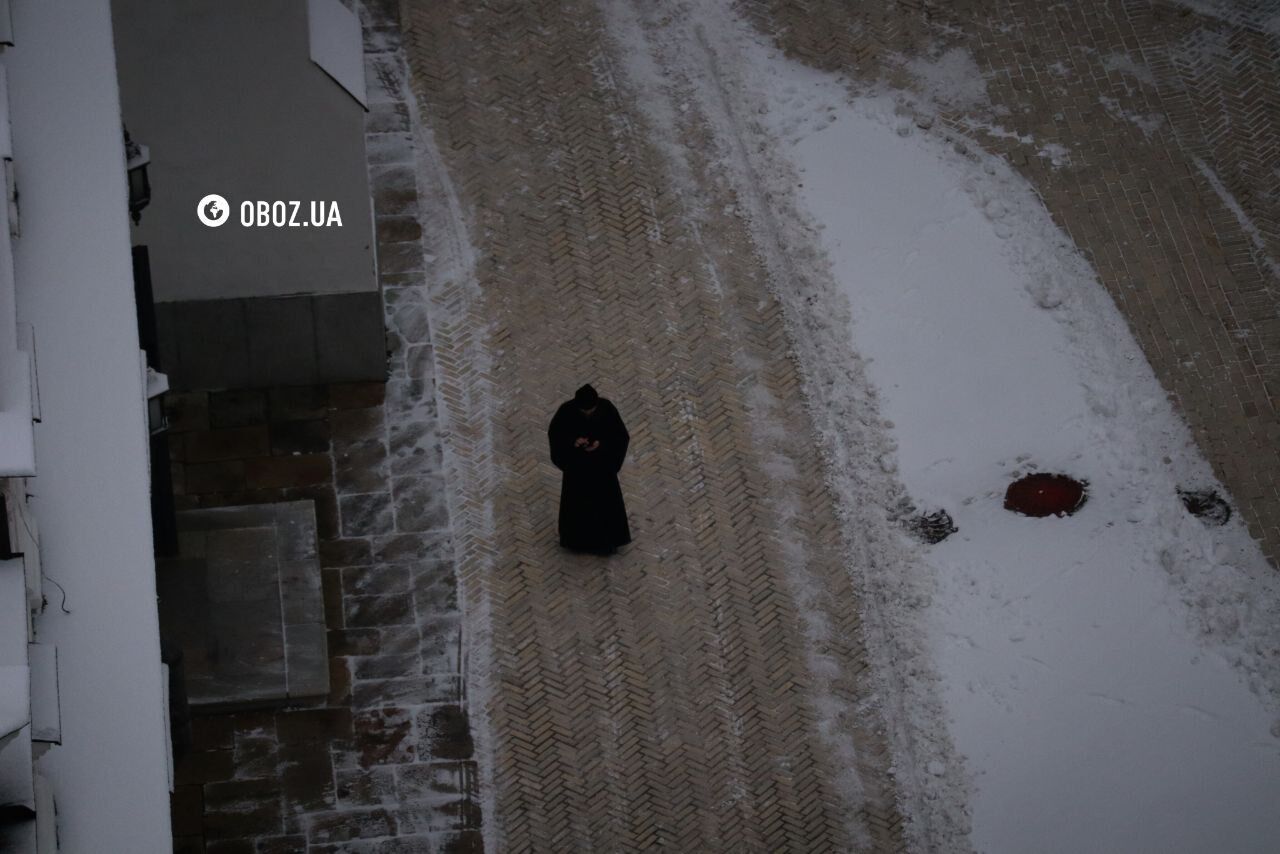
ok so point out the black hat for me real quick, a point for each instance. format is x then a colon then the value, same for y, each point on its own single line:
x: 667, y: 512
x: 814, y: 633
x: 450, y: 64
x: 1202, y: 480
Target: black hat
x: 585, y: 397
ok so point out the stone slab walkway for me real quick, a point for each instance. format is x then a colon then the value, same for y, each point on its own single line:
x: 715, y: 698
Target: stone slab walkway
x: 385, y: 757
x: 384, y: 764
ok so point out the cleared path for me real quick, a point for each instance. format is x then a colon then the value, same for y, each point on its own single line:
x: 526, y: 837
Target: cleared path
x: 661, y: 698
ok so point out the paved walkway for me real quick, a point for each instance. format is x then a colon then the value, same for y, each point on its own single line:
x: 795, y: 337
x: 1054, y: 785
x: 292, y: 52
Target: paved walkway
x: 665, y: 697
x: 662, y: 698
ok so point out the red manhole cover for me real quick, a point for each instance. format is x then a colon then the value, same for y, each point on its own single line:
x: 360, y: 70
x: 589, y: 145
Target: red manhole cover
x: 1045, y: 495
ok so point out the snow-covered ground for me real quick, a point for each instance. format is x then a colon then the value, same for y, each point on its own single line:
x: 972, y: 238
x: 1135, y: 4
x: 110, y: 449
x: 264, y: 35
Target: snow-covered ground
x: 1094, y: 704
x: 1109, y: 681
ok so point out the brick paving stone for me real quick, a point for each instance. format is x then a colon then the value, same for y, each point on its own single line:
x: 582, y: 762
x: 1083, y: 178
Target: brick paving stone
x: 356, y: 425
x: 345, y: 642
x: 286, y: 471
x: 376, y: 580
x: 366, y: 786
x: 384, y: 737
x: 411, y: 548
x: 362, y: 395
x: 230, y: 846
x: 187, y: 810
x: 402, y: 692
x: 242, y: 809
x: 345, y: 552
x: 314, y: 725
x: 256, y: 757
x: 186, y: 411
x: 297, y: 403
x: 213, y: 733
x: 237, y: 408
x: 366, y: 514
x: 349, y: 825
x: 651, y: 700
x: 436, y: 586
x: 340, y: 693
x: 229, y: 444
x: 446, y: 732
x: 359, y: 466
x: 221, y: 476
x: 306, y: 778
x: 300, y: 437
x: 409, y: 444
x: 397, y: 229
x: 188, y: 845
x: 439, y: 643
x: 419, y: 504
x: 296, y: 844
x: 205, y: 766
x: 467, y: 842
x: 379, y: 611
x: 367, y: 667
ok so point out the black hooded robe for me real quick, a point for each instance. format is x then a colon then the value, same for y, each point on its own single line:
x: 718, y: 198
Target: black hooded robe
x: 593, y: 517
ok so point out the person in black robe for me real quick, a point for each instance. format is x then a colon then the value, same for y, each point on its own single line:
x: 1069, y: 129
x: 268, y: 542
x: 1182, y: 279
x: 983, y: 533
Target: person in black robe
x: 589, y: 443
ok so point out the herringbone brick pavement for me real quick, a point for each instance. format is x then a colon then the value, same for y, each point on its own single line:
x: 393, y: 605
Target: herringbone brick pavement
x: 661, y: 698
x: 1168, y: 114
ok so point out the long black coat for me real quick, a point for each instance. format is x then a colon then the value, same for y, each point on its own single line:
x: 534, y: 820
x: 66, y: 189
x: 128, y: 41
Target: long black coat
x: 593, y: 517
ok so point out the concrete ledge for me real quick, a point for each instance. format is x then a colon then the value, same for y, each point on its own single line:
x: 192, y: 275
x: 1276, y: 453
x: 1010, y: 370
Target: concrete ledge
x: 266, y: 341
x: 244, y: 601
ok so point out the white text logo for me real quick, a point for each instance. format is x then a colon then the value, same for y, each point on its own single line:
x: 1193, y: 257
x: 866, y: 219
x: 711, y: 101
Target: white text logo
x: 213, y: 210
x: 289, y: 214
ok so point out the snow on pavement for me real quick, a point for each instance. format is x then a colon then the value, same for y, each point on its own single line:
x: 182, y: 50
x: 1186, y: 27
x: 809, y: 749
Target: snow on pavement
x: 1089, y: 711
x: 1110, y: 679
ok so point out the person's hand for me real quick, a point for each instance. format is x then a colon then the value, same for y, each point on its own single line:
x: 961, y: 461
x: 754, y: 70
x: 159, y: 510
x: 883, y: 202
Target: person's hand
x: 593, y: 446
x: 579, y: 442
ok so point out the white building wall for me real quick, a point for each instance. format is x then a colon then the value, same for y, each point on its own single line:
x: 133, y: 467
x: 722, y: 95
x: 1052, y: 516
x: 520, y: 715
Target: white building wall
x: 74, y: 283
